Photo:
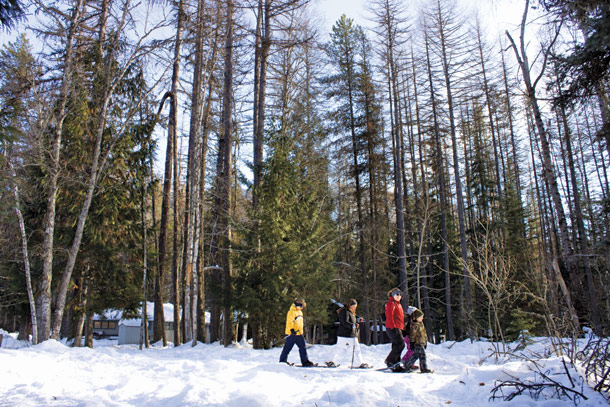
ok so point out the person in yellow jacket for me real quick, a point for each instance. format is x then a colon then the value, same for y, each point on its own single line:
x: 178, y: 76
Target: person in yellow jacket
x: 294, y: 330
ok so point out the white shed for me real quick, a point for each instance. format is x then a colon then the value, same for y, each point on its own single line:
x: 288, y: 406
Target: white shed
x: 129, y: 329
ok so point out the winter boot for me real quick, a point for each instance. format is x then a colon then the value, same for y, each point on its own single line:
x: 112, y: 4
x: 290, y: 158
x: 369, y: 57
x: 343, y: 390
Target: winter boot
x: 398, y: 369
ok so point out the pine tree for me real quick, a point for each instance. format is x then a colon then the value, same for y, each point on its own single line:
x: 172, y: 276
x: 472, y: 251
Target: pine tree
x: 296, y: 252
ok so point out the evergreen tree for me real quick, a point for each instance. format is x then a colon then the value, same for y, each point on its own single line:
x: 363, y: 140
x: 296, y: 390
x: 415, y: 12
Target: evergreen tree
x: 11, y: 11
x: 296, y: 233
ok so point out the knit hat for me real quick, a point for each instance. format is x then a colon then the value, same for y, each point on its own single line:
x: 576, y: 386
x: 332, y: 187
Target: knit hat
x: 352, y: 302
x: 299, y: 302
x: 394, y: 291
x: 416, y: 314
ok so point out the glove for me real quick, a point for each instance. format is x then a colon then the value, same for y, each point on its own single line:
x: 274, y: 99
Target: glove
x: 357, y: 326
x: 360, y: 320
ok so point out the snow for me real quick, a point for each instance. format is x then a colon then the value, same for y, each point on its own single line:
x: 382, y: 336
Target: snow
x: 54, y: 374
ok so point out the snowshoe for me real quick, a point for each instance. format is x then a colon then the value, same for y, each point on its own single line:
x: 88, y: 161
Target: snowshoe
x: 398, y: 369
x: 390, y: 366
x: 364, y: 366
x: 309, y: 364
x: 331, y: 364
x: 426, y: 371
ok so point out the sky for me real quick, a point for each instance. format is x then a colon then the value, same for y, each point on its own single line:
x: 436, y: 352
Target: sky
x: 499, y: 14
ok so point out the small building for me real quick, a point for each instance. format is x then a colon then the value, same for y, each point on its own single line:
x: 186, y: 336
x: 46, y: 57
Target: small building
x: 104, y: 328
x: 128, y: 331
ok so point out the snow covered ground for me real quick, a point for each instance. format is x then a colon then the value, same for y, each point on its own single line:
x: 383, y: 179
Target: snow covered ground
x: 53, y: 374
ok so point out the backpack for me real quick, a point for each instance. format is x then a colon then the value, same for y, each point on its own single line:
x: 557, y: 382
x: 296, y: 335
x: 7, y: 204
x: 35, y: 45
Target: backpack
x: 382, y: 317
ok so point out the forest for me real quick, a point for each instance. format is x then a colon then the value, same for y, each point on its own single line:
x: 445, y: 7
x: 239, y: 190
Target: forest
x: 228, y: 156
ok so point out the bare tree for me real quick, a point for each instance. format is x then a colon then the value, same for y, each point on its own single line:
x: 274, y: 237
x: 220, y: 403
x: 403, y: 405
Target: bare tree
x: 107, y: 51
x: 224, y: 175
x: 548, y: 171
x: 72, y: 27
x: 448, y: 41
x: 389, y: 16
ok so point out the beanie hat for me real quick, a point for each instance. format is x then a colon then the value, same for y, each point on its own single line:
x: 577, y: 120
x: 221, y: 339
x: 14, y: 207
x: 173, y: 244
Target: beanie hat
x: 352, y: 302
x: 416, y: 314
x: 394, y: 291
x: 299, y: 302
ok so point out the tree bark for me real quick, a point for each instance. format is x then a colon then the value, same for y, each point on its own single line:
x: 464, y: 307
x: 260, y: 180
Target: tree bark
x: 456, y: 166
x: 547, y: 164
x: 583, y: 245
x: 167, y: 181
x: 442, y: 197
x: 54, y: 168
x: 225, y: 176
x: 26, y: 258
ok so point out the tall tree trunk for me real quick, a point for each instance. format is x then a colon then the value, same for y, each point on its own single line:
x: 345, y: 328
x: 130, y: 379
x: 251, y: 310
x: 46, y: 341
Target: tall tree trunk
x: 109, y: 82
x: 456, y: 169
x: 201, y: 306
x: 82, y: 307
x: 443, y: 200
x: 549, y: 232
x: 144, y: 337
x: 192, y: 184
x: 582, y: 234
x: 494, y: 133
x: 422, y: 298
x: 263, y: 46
x: 515, y: 156
x: 547, y: 164
x: 26, y: 257
x: 167, y: 180
x: 176, y: 272
x: 225, y: 176
x: 54, y: 168
x: 89, y: 328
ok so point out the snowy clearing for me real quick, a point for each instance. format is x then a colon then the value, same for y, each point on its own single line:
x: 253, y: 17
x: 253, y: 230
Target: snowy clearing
x: 53, y: 374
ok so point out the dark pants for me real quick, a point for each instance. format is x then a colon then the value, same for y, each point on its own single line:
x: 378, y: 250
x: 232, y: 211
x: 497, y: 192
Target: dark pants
x: 398, y: 344
x: 290, y: 342
x: 419, y: 352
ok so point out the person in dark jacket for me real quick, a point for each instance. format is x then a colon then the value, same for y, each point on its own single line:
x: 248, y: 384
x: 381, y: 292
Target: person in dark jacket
x: 394, y: 324
x: 294, y: 330
x: 419, y: 340
x: 348, y: 347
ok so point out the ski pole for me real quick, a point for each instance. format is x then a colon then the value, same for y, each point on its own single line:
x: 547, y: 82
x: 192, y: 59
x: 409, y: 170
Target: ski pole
x: 353, y: 351
x: 279, y: 340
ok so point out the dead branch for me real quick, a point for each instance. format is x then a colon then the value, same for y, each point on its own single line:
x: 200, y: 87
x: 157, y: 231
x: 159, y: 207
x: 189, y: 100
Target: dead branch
x: 595, y: 358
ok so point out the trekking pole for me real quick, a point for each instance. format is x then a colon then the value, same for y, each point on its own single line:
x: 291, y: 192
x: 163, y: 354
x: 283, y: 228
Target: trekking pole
x: 279, y: 340
x: 353, y: 351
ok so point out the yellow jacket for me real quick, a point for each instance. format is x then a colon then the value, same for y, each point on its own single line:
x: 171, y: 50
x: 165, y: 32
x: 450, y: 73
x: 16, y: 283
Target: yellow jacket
x: 294, y: 321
